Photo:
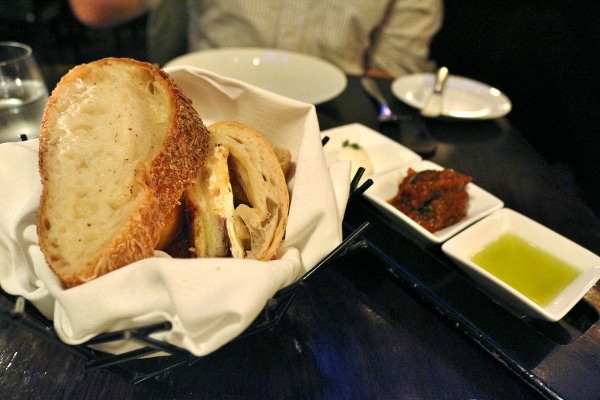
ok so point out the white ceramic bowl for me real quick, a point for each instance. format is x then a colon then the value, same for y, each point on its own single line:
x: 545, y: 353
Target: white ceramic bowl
x: 385, y: 186
x: 461, y: 247
x: 295, y: 75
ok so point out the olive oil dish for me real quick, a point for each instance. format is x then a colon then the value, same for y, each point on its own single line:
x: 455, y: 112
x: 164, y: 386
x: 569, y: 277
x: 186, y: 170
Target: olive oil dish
x: 506, y: 248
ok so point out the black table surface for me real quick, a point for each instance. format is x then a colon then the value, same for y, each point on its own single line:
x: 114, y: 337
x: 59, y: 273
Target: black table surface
x: 356, y: 331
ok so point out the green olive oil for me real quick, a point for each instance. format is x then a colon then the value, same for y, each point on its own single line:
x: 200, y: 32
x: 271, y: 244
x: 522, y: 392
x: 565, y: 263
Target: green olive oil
x: 533, y: 272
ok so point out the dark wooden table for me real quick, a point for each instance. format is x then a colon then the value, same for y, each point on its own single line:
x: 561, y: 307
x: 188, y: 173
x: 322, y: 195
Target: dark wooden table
x: 356, y: 331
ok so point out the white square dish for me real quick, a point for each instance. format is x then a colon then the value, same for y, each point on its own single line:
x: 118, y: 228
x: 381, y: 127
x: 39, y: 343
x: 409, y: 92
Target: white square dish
x: 585, y: 265
x: 385, y: 186
x: 384, y: 153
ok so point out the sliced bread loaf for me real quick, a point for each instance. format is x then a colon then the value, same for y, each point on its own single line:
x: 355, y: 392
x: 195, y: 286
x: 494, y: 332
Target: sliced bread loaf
x: 119, y: 144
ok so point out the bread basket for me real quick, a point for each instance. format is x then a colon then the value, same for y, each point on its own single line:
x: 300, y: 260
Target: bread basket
x: 123, y: 327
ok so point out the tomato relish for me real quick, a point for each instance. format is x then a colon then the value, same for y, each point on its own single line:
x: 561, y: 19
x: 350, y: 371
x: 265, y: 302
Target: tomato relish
x: 434, y: 199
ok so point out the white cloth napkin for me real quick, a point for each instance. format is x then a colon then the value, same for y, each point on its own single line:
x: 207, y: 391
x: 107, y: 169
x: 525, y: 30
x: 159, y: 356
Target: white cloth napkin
x: 208, y: 301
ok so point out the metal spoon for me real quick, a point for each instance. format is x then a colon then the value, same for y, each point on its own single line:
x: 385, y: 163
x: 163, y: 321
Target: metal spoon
x: 407, y: 128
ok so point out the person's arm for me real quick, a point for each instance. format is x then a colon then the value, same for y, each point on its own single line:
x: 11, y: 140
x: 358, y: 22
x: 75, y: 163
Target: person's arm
x: 377, y: 73
x: 402, y: 43
x: 106, y: 13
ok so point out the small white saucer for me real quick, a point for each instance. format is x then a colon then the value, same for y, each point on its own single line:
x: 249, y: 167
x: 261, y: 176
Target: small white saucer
x: 463, y: 98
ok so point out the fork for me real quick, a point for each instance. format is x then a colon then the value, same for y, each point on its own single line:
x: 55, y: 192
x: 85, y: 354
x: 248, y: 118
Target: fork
x: 371, y: 87
x: 407, y: 128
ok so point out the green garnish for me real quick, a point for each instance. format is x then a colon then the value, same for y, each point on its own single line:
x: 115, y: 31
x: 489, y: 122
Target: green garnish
x: 347, y: 143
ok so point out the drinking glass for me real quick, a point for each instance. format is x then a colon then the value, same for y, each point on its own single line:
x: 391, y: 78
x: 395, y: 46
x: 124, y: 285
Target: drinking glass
x: 23, y: 93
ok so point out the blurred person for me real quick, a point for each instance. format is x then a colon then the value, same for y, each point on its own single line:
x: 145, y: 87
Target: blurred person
x: 384, y: 38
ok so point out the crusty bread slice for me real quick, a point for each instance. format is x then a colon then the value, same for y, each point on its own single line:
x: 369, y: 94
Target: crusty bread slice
x: 256, y: 227
x: 210, y: 205
x: 284, y: 157
x: 119, y: 144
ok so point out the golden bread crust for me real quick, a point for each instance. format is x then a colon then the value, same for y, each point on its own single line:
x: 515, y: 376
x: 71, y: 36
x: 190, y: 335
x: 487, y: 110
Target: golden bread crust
x: 121, y: 117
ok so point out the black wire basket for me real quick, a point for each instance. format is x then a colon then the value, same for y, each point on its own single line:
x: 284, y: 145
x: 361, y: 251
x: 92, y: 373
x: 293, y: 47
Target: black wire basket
x: 26, y: 316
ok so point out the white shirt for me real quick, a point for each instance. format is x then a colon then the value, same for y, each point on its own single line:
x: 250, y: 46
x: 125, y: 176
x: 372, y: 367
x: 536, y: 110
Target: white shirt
x: 391, y: 35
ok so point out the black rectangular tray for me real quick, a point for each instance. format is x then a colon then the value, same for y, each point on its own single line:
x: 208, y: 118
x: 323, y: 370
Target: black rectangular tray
x: 560, y: 360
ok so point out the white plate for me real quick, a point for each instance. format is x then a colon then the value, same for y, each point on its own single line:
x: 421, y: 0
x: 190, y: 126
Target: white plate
x: 463, y: 97
x: 384, y: 153
x: 385, y: 187
x: 298, y: 76
x: 465, y: 244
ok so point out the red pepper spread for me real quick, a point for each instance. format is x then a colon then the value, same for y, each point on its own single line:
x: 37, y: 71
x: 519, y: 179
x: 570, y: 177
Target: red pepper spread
x: 434, y: 199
